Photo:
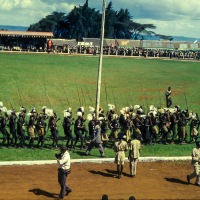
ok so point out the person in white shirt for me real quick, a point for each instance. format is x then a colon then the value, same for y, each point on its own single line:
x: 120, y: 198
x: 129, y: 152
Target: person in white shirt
x: 63, y: 159
x: 196, y: 163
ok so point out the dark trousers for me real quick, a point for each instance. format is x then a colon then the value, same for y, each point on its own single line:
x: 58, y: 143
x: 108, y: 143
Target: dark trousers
x: 54, y: 134
x: 68, y: 134
x: 98, y: 145
x: 62, y: 177
x: 79, y: 136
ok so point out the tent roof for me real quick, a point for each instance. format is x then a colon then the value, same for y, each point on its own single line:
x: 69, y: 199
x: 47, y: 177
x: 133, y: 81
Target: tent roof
x: 61, y: 42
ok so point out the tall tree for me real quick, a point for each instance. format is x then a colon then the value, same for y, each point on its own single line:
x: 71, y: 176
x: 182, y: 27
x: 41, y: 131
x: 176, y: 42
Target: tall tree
x: 84, y: 21
x: 49, y: 23
x: 139, y: 30
x: 110, y: 20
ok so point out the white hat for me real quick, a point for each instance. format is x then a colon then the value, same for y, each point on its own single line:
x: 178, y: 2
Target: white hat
x: 82, y: 108
x: 136, y: 107
x: 91, y: 110
x: 49, y: 112
x: 152, y: 108
x: 115, y: 116
x: 100, y: 110
x: 122, y: 111
x: 44, y: 107
x: 111, y: 107
x: 101, y: 118
x: 79, y: 114
x: 4, y: 109
x: 89, y: 117
x: 126, y: 116
x: 161, y: 111
x: 67, y: 114
x: 1, y: 104
x: 126, y: 109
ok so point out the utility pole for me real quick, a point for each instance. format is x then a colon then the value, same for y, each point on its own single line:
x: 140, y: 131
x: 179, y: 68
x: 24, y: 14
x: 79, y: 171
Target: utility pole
x: 100, y: 59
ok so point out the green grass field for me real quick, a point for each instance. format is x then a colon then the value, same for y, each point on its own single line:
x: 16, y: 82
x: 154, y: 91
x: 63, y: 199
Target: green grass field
x: 62, y: 81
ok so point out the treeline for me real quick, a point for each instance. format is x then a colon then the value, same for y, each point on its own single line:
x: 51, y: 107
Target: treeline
x: 84, y: 21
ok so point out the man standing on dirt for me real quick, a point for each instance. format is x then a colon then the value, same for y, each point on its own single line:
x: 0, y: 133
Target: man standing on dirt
x: 134, y: 154
x: 168, y: 97
x: 63, y: 159
x: 196, y: 163
x: 119, y: 147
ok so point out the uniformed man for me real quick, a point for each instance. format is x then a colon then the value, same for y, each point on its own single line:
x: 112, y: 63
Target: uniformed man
x: 104, y: 128
x: 12, y: 127
x: 64, y: 169
x: 40, y: 126
x: 120, y: 147
x: 173, y: 125
x: 168, y: 97
x: 91, y: 127
x: 147, y: 130
x: 54, y: 130
x: 182, y: 122
x: 165, y: 125
x: 134, y: 154
x: 67, y: 123
x: 194, y: 128
x: 6, y: 135
x: 196, y: 163
x: 32, y: 130
x: 115, y: 127
x: 21, y: 131
x: 138, y: 126
x: 78, y: 127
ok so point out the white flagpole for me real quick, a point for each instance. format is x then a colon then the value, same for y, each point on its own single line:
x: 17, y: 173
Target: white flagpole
x: 100, y: 59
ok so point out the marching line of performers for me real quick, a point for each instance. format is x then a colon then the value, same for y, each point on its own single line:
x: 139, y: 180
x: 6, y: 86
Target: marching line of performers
x: 158, y: 125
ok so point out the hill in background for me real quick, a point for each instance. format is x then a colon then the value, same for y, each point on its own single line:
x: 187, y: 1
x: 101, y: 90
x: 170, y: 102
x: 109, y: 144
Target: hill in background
x: 13, y: 28
x: 175, y: 38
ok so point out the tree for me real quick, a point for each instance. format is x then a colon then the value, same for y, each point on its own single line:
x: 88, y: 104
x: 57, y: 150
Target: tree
x: 110, y: 21
x: 84, y: 21
x: 139, y: 30
x: 49, y: 23
x: 122, y: 24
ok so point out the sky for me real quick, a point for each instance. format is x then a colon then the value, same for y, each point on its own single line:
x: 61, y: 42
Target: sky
x: 171, y: 17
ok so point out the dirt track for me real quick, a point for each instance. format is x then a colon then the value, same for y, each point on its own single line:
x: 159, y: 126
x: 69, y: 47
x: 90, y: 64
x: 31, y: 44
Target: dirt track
x: 158, y: 180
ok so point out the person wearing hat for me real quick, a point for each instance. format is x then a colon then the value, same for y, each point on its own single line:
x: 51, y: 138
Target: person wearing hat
x: 12, y: 127
x: 120, y: 146
x: 40, y: 130
x: 67, y: 123
x: 21, y: 131
x: 168, y: 97
x: 78, y: 127
x: 96, y: 141
x: 196, y: 163
x: 63, y: 160
x: 6, y: 135
x: 54, y: 130
x: 134, y: 154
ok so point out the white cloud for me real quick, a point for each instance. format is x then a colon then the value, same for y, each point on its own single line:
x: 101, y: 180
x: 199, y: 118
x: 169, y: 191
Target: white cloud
x: 171, y: 17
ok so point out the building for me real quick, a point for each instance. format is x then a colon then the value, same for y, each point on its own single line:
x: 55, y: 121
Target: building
x: 24, y: 40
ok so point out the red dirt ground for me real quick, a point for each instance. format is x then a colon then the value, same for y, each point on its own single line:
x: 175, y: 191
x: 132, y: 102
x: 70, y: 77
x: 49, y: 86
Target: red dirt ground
x: 157, y: 180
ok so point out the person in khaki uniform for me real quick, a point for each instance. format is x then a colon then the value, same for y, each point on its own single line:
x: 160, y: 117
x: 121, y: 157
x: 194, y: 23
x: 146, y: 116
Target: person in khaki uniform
x: 196, y: 163
x: 120, y: 146
x: 134, y: 154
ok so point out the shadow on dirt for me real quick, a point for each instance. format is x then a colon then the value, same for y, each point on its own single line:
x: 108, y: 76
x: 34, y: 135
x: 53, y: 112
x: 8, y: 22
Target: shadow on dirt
x: 175, y: 180
x: 108, y: 173
x: 102, y: 173
x: 41, y: 192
